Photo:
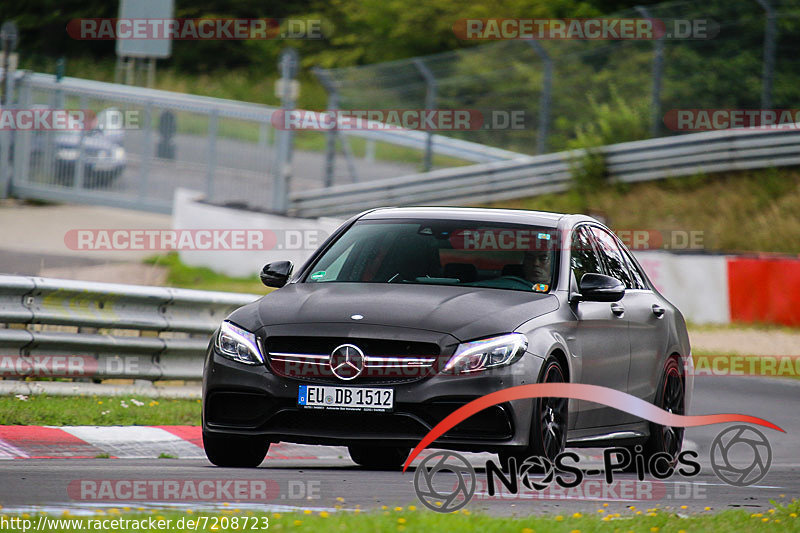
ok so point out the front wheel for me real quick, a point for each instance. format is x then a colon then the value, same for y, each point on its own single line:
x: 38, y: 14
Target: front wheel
x: 379, y: 457
x: 548, y: 436
x: 235, y: 450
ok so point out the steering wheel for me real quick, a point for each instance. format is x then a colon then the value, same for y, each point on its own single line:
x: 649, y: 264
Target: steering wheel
x: 522, y: 281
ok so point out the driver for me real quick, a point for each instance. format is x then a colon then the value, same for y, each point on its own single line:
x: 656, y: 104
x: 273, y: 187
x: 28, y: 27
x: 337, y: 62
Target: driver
x: 536, y: 265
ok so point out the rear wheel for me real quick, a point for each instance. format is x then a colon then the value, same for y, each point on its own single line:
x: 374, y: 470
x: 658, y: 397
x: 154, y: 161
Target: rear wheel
x: 378, y: 457
x: 548, y: 436
x: 669, y: 397
x: 235, y: 450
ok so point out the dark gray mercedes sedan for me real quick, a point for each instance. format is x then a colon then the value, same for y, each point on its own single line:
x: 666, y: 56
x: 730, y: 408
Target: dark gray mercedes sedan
x: 405, y: 314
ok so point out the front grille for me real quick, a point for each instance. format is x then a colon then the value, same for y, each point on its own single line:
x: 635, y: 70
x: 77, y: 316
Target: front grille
x: 384, y: 361
x: 373, y: 347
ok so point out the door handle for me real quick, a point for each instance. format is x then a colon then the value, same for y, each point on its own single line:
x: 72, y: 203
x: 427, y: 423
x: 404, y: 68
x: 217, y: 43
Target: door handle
x: 658, y: 310
x: 617, y: 309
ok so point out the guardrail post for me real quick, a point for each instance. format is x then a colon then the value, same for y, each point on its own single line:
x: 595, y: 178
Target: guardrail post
x: 657, y: 74
x: 544, y: 102
x: 431, y: 88
x: 213, y: 119
x: 768, y: 72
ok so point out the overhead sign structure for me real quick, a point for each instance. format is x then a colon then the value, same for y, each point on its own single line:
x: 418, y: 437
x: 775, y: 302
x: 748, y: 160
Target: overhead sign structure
x: 145, y: 9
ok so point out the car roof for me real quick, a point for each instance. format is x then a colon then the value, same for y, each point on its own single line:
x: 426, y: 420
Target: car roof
x: 483, y: 214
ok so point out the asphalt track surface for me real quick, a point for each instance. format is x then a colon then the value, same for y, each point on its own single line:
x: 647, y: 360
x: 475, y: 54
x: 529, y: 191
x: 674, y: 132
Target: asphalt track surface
x: 327, y: 483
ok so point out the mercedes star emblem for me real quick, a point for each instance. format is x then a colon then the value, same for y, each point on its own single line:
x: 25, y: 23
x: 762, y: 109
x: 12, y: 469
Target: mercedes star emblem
x: 347, y: 362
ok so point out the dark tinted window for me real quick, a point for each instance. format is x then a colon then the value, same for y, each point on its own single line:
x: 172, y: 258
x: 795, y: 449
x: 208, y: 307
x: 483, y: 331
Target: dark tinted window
x: 583, y: 258
x: 637, y: 275
x: 442, y: 252
x: 613, y: 257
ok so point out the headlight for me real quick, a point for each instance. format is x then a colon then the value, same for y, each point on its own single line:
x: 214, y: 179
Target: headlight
x: 68, y: 154
x: 238, y: 344
x: 487, y: 353
x: 119, y: 153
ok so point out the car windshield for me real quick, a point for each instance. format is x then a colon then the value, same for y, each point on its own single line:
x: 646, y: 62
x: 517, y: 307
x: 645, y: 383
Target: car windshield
x: 464, y: 253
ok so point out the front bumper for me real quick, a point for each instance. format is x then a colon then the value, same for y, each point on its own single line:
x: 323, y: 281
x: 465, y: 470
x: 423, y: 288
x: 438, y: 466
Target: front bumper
x: 251, y: 400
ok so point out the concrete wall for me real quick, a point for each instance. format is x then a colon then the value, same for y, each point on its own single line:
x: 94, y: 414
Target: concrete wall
x: 291, y: 239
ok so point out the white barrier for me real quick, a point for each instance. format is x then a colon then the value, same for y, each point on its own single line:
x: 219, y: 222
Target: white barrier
x: 296, y: 238
x: 695, y: 284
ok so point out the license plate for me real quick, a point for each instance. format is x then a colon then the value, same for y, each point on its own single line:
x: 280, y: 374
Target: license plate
x: 345, y: 398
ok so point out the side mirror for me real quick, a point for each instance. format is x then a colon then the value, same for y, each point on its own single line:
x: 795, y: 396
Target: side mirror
x: 600, y: 288
x: 276, y: 274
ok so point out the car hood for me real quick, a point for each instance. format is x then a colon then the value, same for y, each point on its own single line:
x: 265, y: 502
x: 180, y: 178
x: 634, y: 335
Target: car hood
x: 466, y: 313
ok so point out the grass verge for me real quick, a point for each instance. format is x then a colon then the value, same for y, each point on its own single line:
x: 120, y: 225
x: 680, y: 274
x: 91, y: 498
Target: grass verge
x: 781, y: 517
x: 202, y: 278
x: 97, y: 411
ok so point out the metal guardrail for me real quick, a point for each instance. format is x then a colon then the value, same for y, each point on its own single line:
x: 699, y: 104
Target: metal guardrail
x: 443, y: 145
x: 651, y: 159
x: 123, y: 331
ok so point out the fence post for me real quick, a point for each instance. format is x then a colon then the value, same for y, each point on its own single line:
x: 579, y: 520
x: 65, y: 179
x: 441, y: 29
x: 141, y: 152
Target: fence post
x: 544, y: 102
x: 430, y: 104
x: 768, y: 72
x: 22, y: 143
x: 333, y: 105
x: 147, y: 151
x: 281, y: 169
x: 657, y: 73
x: 8, y: 36
x: 79, y: 171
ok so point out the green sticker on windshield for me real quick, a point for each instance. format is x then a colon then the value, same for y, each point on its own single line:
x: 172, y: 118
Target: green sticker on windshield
x: 318, y: 275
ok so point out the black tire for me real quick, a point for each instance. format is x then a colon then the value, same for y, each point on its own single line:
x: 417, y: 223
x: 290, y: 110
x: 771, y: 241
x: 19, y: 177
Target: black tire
x: 235, y: 450
x: 379, y: 458
x: 548, y: 436
x: 670, y: 397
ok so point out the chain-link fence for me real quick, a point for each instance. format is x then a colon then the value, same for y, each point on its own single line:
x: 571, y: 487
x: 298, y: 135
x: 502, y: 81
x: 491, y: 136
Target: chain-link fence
x: 135, y: 146
x: 743, y: 57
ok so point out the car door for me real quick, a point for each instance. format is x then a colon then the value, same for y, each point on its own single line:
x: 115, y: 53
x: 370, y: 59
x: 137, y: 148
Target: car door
x: 646, y: 331
x: 649, y: 332
x: 601, y: 336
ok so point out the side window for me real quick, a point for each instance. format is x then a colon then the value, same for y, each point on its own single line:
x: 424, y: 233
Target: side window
x: 636, y: 274
x: 613, y: 257
x: 583, y: 258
